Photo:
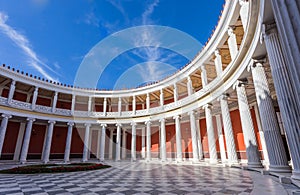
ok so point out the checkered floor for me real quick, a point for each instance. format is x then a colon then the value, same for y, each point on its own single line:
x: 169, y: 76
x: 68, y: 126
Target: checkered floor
x: 136, y: 178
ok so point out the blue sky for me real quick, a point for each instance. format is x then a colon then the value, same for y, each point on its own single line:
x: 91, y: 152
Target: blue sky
x: 51, y: 39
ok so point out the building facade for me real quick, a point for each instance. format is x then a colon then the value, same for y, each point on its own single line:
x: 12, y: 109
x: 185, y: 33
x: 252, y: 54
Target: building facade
x: 236, y: 101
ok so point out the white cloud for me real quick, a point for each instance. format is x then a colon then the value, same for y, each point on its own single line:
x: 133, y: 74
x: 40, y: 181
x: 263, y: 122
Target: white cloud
x: 23, y: 43
x: 92, y: 19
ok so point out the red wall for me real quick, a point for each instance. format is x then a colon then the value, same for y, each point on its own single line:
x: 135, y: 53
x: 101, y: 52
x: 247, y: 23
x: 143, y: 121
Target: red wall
x: 11, y: 137
x: 59, y: 140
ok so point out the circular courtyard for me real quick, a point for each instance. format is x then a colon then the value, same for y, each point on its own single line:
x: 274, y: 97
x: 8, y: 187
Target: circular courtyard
x: 146, y: 178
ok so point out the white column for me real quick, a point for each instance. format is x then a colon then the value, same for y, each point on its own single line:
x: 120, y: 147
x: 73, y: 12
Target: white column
x: 189, y: 86
x: 161, y: 97
x: 48, y: 142
x: 163, y: 149
x: 104, y: 106
x: 200, y: 150
x: 86, y: 143
x: 230, y: 143
x: 213, y: 157
x: 110, y: 149
x: 247, y: 127
x: 148, y: 102
x: 218, y: 63
x: 34, y: 98
x: 124, y: 134
x: 3, y: 128
x: 73, y: 104
x: 262, y: 136
x: 119, y: 106
x: 143, y: 143
x: 276, y: 151
x: 118, y: 142
x: 133, y: 141
x: 68, y: 142
x: 19, y: 141
x: 54, y: 101
x: 175, y: 93
x: 90, y: 104
x: 232, y: 43
x: 203, y: 76
x: 221, y: 138
x: 11, y: 91
x: 178, y: 139
x: 133, y: 105
x: 244, y: 12
x: 148, y: 132
x: 26, y: 140
x: 102, y: 142
x: 194, y: 136
x: 288, y: 102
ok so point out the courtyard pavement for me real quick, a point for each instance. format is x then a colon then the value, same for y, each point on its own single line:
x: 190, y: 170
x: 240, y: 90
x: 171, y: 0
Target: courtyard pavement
x: 146, y: 178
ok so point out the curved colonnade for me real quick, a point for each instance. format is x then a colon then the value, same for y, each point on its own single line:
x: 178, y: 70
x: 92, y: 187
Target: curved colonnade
x: 224, y: 105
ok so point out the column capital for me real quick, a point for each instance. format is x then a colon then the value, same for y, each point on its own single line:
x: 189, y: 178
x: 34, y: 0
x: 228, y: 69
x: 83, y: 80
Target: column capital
x: 189, y: 78
x: 87, y: 124
x: 36, y: 89
x: 13, y: 82
x: 256, y: 63
x: 8, y: 116
x: 51, y: 122
x: 202, y: 68
x: 118, y: 125
x: 230, y: 30
x: 217, y: 52
x: 105, y: 99
x: 224, y: 96
x: 207, y: 106
x: 161, y: 91
x: 71, y: 124
x: 148, y: 122
x: 133, y: 123
x: 240, y: 83
x: 30, y: 119
x: 242, y: 2
x: 193, y: 112
x: 56, y: 93
x: 176, y: 117
x: 103, y: 125
x: 162, y: 120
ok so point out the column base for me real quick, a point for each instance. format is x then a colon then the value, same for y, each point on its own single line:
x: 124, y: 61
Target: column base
x: 195, y: 161
x: 213, y: 161
x: 280, y: 169
x: 101, y: 160
x: 254, y: 165
x: 296, y: 175
x: 22, y: 162
x: 133, y: 160
x: 179, y: 160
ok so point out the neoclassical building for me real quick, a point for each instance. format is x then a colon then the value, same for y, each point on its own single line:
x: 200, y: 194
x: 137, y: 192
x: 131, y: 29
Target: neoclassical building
x: 236, y: 102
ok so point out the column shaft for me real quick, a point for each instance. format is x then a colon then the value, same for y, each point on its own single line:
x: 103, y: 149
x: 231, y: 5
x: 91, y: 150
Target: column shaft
x: 178, y: 139
x: 288, y: 102
x: 48, y: 142
x: 247, y: 127
x: 26, y: 140
x: 68, y: 142
x: 143, y: 143
x: 230, y: 143
x: 277, y: 157
x: 163, y: 148
x: 110, y: 149
x: 213, y: 158
x: 194, y: 136
x: 148, y: 132
x: 124, y: 144
x: 86, y: 143
x: 3, y: 128
x: 133, y: 142
x: 118, y: 143
x: 221, y: 138
x: 102, y: 142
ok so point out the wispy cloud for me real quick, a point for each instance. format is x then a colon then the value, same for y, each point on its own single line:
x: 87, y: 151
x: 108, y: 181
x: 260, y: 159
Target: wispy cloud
x: 23, y: 43
x: 92, y: 19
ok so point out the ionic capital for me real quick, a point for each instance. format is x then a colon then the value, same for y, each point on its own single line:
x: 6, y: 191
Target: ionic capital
x: 71, y: 124
x: 30, y: 119
x: 87, y: 124
x: 230, y: 30
x: 118, y: 125
x: 240, y: 83
x: 51, y: 122
x: 256, y: 63
x: 103, y: 125
x: 7, y: 116
x: 133, y: 124
x: 176, y: 117
x: 207, y: 106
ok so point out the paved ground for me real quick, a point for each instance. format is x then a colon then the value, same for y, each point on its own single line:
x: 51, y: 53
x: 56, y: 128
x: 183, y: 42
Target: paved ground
x: 146, y: 178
